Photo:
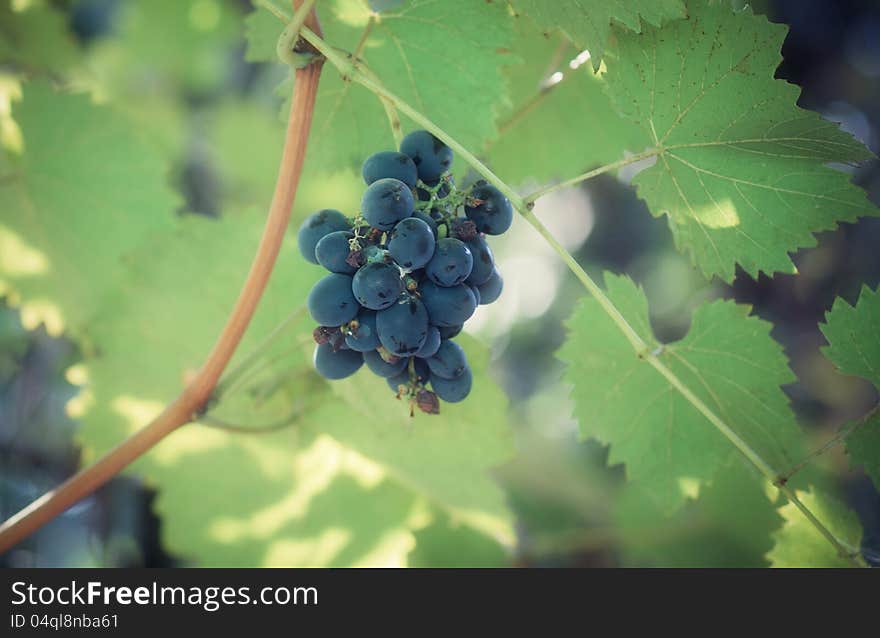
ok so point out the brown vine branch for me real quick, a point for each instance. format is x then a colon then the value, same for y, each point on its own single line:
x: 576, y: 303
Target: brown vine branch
x: 186, y: 406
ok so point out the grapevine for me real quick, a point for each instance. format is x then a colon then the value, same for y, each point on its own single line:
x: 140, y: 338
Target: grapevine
x: 128, y: 235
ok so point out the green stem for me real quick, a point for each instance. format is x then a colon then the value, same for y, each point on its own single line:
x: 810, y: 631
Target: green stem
x: 524, y: 206
x: 530, y: 199
x: 588, y: 282
x: 284, y: 48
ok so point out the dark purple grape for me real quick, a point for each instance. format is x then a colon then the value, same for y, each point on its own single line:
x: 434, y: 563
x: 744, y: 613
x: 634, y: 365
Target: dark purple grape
x: 403, y: 328
x: 411, y: 243
x: 492, y: 212
x: 377, y: 286
x: 390, y: 164
x: 431, y: 156
x: 453, y: 390
x: 315, y: 227
x: 447, y: 307
x: 331, y: 302
x: 386, y: 202
x: 336, y: 364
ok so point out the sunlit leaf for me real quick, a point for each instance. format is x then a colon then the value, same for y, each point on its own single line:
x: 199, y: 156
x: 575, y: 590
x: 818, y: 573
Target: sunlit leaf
x: 728, y: 359
x: 444, y: 58
x: 84, y: 193
x: 560, y: 121
x: 800, y: 544
x: 743, y: 173
x: 181, y: 287
x: 588, y: 22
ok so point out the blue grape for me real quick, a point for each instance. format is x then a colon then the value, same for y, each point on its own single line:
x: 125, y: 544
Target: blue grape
x: 447, y: 307
x: 315, y: 227
x: 377, y: 286
x: 453, y: 390
x: 484, y: 261
x: 476, y: 291
x: 411, y: 243
x: 451, y: 263
x: 398, y: 380
x: 494, y: 214
x: 448, y: 332
x: 491, y: 290
x: 431, y: 156
x: 382, y: 368
x: 390, y: 164
x: 432, y: 343
x: 422, y: 371
x: 333, y: 250
x: 430, y: 221
x: 337, y: 364
x: 403, y: 328
x: 365, y: 337
x: 331, y: 302
x: 449, y: 361
x: 386, y: 202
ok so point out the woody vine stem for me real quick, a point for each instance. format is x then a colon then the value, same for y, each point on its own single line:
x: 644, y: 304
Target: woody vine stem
x: 186, y: 407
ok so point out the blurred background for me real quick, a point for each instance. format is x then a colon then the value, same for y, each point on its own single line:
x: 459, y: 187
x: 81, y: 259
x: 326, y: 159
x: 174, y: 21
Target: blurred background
x: 571, y: 510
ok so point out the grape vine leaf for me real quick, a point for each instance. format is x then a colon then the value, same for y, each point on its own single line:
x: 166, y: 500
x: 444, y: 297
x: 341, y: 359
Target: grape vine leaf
x: 35, y: 37
x: 853, y: 333
x: 587, y: 23
x: 729, y: 524
x: 728, y: 359
x: 82, y: 195
x: 742, y: 172
x: 799, y: 544
x: 444, y: 58
x: 255, y: 499
x: 543, y: 109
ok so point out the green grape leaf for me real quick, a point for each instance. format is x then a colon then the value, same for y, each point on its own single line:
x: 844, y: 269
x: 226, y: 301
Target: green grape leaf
x: 444, y: 58
x: 587, y: 23
x: 863, y: 446
x: 742, y: 172
x: 728, y: 359
x: 729, y: 524
x: 35, y: 37
x: 853, y: 333
x: 85, y: 191
x: 799, y: 544
x: 537, y: 140
x: 349, y: 469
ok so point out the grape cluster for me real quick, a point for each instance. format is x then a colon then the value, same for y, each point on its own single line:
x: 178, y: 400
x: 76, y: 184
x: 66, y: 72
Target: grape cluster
x: 406, y: 273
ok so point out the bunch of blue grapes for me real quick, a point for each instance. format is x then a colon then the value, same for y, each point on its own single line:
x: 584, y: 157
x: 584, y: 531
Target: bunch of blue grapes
x: 405, y: 273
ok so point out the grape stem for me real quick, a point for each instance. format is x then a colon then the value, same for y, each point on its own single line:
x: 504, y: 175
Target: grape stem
x: 343, y: 62
x: 187, y: 406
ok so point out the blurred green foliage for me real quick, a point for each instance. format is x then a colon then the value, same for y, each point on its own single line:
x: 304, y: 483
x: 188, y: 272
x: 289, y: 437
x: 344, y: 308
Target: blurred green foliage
x: 138, y: 161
